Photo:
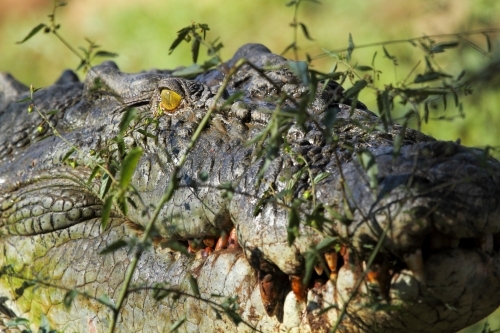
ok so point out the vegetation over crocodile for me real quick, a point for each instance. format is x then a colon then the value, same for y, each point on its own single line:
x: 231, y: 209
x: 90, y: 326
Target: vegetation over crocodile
x: 391, y: 237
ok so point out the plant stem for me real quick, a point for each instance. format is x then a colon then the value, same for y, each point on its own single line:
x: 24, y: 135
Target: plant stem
x: 68, y: 46
x: 168, y: 195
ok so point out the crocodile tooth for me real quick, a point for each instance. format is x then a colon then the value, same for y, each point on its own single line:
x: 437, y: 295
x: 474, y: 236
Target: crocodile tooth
x: 222, y: 242
x: 203, y: 253
x: 268, y: 293
x: 233, y: 240
x: 298, y: 288
x: 209, y: 241
x: 193, y: 246
x: 331, y: 258
x: 415, y: 263
x: 319, y: 269
x: 190, y: 249
x: 206, y: 252
x: 379, y: 278
x: 486, y: 243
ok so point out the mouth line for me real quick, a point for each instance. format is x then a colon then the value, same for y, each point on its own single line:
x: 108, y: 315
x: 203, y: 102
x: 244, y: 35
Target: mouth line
x: 379, y: 280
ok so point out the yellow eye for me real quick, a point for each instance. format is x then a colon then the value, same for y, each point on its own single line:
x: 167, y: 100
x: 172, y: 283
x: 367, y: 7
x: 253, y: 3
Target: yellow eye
x: 170, y: 100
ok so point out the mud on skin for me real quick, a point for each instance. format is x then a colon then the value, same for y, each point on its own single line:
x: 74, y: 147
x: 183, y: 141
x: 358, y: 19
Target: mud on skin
x: 435, y: 213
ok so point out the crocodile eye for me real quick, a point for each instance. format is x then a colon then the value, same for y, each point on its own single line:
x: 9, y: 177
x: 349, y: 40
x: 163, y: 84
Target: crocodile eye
x: 170, y: 100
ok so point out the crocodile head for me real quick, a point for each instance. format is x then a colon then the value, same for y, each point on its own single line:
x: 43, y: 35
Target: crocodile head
x: 330, y: 225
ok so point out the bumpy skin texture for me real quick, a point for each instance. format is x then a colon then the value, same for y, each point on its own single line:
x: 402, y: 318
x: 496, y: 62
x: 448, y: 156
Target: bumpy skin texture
x: 437, y: 199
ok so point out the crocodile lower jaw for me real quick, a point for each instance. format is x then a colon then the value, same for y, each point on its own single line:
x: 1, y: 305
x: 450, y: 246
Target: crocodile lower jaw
x: 439, y: 280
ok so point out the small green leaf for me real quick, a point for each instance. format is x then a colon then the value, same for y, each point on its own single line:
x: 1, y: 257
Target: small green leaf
x: 195, y: 49
x: 350, y: 47
x: 364, y: 68
x: 45, y: 325
x: 33, y: 32
x: 441, y: 47
x: 299, y: 68
x: 331, y: 54
x: 24, y: 100
x: 328, y: 121
x: 216, y: 47
x: 428, y: 64
x: 104, y: 299
x: 398, y: 140
x: 193, y: 284
x: 106, y: 182
x: 26, y: 284
x: 204, y: 27
x: 389, y: 56
x: 234, y: 97
x: 17, y: 321
x: 50, y: 113
x: 147, y: 134
x: 488, y: 43
x: 373, y: 58
x: 69, y: 297
x: 113, y: 247
x: 131, y: 202
x: 68, y: 154
x: 210, y: 63
x: 235, y: 318
x: 129, y: 115
x: 355, y: 89
x: 289, y: 47
x: 311, y: 259
x: 305, y: 32
x: 106, y: 212
x: 105, y: 54
x: 175, y: 326
x: 455, y: 98
x: 367, y: 161
x: 203, y: 176
x: 160, y: 292
x: 190, y: 71
x: 94, y: 173
x: 430, y: 76
x: 122, y: 204
x: 128, y: 166
x: 326, y: 243
x: 320, y: 177
x: 181, y: 35
x: 293, y: 225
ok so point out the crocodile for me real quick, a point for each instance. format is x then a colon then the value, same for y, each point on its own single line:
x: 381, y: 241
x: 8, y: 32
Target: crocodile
x: 343, y: 222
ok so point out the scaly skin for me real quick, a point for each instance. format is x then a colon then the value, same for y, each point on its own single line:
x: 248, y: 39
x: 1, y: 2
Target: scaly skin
x: 431, y: 220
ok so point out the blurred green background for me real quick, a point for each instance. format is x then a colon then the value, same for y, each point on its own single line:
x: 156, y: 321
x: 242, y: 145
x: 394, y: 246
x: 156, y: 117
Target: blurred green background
x: 141, y: 32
